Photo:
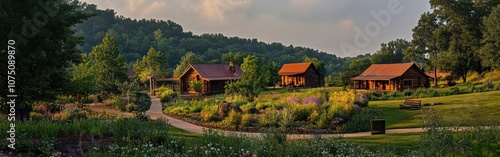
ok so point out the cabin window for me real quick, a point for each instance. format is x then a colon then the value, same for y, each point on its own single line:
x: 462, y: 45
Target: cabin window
x: 408, y: 83
x: 197, y: 77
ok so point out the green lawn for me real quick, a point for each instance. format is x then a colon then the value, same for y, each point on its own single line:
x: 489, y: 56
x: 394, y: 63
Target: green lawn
x: 399, y: 142
x: 182, y: 133
x: 456, y: 109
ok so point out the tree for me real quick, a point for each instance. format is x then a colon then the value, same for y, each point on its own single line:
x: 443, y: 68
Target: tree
x: 356, y: 67
x: 83, y: 79
x: 109, y: 66
x: 490, y: 52
x: 269, y: 73
x: 424, y: 46
x: 153, y: 64
x: 317, y: 63
x: 391, y: 52
x: 41, y: 35
x: 464, y: 21
x: 236, y: 57
x: 186, y: 60
x: 249, y: 84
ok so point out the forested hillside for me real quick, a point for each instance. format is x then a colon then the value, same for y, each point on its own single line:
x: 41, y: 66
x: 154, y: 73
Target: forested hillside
x: 135, y: 37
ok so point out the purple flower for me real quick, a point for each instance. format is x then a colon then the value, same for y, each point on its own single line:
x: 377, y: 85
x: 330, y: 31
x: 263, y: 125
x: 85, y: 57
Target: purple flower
x: 310, y: 100
x: 292, y: 100
x: 355, y: 107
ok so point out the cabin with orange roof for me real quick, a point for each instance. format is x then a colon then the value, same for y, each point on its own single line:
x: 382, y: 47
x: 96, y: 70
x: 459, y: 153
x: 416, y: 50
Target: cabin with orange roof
x: 300, y: 74
x: 390, y: 77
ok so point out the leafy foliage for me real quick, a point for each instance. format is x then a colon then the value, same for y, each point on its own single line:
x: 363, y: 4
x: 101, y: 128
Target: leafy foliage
x: 196, y: 85
x: 109, y: 65
x: 45, y: 46
x: 153, y: 64
x: 249, y: 84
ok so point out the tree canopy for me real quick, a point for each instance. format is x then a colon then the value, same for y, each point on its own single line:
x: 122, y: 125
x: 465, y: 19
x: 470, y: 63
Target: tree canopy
x: 186, y: 60
x: 45, y: 45
x: 109, y: 65
x: 153, y: 64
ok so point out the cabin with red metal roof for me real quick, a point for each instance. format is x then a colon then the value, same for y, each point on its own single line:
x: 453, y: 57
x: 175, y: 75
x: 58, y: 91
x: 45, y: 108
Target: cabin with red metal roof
x: 390, y: 77
x: 214, y: 77
x: 300, y: 74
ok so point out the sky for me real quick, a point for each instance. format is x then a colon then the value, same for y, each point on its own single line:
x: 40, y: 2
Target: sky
x: 340, y: 27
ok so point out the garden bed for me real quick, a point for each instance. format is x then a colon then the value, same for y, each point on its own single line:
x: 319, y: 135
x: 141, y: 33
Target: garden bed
x: 315, y: 111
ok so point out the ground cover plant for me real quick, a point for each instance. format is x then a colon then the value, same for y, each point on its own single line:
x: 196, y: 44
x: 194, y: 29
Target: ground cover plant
x: 308, y: 111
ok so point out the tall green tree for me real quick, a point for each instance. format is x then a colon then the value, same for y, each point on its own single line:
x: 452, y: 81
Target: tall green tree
x: 490, y: 52
x: 45, y: 45
x: 356, y: 67
x: 186, y: 60
x: 317, y: 63
x: 152, y: 64
x: 249, y: 84
x: 391, y: 52
x: 109, y: 66
x: 464, y: 20
x: 424, y: 48
x: 83, y: 79
x: 269, y: 73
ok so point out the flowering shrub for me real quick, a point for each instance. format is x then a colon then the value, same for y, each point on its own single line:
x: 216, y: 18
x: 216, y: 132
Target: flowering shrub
x: 293, y: 100
x: 311, y: 100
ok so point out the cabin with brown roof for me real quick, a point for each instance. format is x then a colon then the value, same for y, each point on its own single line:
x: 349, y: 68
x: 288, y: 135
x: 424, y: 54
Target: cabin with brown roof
x: 214, y: 77
x: 391, y: 77
x: 300, y: 74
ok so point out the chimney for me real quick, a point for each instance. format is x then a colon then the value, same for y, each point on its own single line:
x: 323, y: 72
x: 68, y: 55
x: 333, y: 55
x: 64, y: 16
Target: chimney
x: 231, y: 67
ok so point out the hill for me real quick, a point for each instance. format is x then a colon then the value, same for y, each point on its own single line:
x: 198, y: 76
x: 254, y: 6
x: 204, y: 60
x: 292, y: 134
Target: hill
x: 134, y: 38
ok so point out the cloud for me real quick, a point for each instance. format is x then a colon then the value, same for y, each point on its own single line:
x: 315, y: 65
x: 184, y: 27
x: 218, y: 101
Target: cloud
x: 346, y: 23
x: 215, y: 9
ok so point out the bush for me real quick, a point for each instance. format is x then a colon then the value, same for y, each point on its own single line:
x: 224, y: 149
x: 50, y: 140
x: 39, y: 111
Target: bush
x: 131, y: 107
x: 234, y: 119
x: 323, y: 121
x: 209, y: 114
x: 247, y: 120
x: 35, y: 116
x: 166, y: 94
x: 87, y: 100
x: 117, y: 103
x: 73, y: 112
x: 360, y: 121
x: 454, y: 90
x: 270, y: 119
x: 407, y: 92
x: 142, y: 100
x: 287, y: 117
x: 302, y: 112
x: 61, y: 99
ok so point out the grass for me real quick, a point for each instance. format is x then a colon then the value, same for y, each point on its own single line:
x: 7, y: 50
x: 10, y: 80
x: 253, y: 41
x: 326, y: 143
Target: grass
x: 456, y: 109
x: 400, y: 142
x: 182, y: 133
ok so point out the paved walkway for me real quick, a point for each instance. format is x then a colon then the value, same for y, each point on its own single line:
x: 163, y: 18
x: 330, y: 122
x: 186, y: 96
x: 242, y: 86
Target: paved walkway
x: 155, y: 112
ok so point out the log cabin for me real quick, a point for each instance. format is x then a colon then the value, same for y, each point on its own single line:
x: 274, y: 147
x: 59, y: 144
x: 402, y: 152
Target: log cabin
x: 300, y: 74
x: 390, y: 77
x: 214, y: 77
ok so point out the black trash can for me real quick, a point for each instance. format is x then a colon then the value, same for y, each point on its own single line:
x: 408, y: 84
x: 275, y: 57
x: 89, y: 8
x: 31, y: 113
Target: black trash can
x: 377, y: 126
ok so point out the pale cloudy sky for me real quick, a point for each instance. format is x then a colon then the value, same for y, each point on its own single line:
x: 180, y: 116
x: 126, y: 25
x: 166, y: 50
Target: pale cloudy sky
x: 341, y: 27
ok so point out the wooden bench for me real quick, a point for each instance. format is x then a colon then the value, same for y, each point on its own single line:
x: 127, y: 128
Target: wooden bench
x: 411, y: 104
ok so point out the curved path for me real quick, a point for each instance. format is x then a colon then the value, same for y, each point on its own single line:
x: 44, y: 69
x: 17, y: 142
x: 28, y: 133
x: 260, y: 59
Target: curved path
x: 155, y: 112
